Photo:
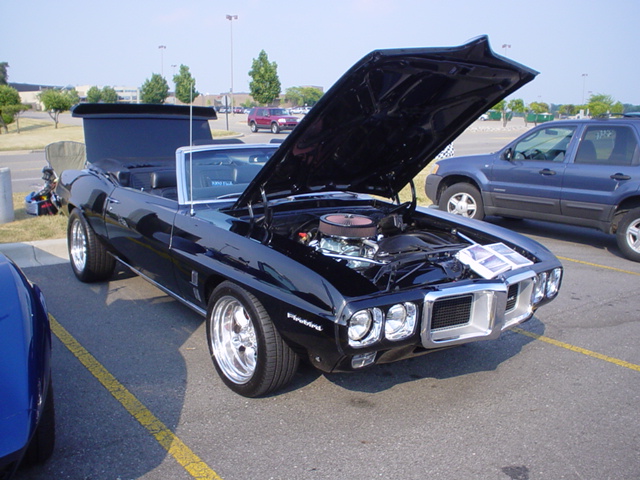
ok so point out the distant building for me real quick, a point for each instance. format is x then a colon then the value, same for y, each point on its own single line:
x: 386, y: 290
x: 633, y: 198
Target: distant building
x: 29, y: 93
x: 125, y: 94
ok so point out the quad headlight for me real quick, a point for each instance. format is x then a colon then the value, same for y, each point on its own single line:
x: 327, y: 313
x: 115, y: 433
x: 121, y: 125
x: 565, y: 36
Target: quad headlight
x: 552, y: 285
x: 360, y: 325
x: 365, y: 326
x: 546, y: 285
x: 400, y: 321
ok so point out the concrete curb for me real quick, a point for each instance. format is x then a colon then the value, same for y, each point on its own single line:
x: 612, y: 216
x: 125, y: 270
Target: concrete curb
x: 38, y: 253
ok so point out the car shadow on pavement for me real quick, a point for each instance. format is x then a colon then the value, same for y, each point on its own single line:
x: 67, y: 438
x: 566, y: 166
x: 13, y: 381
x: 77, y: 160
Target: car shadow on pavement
x: 557, y: 231
x: 482, y: 356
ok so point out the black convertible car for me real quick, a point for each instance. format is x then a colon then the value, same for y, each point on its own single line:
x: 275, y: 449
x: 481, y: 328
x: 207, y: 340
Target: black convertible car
x: 303, y: 249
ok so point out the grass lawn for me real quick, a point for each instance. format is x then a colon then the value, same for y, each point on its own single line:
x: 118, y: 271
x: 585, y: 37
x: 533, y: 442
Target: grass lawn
x: 27, y: 228
x: 35, y: 134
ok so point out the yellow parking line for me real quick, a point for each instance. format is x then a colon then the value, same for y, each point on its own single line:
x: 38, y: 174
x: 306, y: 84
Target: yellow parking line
x: 165, y: 437
x: 599, y: 266
x: 584, y: 351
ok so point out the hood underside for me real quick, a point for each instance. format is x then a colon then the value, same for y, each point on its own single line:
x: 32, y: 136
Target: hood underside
x: 387, y: 118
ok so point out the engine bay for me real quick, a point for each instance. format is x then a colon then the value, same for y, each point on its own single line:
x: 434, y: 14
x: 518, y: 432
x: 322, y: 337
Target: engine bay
x: 388, y: 250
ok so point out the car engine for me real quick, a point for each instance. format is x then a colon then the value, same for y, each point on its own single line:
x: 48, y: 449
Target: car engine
x: 389, y: 252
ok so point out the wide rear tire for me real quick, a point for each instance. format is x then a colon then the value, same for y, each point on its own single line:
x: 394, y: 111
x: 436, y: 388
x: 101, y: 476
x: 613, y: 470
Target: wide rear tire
x: 248, y: 352
x: 89, y: 258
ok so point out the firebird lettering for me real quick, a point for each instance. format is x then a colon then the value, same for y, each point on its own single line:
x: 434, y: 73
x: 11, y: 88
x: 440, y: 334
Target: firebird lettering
x: 307, y: 323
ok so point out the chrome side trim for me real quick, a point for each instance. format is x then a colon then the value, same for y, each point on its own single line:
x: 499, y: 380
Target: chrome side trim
x: 189, y: 304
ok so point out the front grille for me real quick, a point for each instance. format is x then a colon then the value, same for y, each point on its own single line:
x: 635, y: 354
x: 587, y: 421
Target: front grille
x: 512, y: 297
x: 451, y: 312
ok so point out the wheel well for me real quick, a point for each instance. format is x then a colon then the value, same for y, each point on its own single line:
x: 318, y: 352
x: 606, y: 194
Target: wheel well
x: 626, y: 205
x: 453, y: 179
x: 212, y: 282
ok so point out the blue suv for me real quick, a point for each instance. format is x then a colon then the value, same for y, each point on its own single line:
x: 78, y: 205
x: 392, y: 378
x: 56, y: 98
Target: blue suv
x: 578, y: 172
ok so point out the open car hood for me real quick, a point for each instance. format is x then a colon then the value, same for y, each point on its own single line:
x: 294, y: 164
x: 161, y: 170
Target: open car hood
x: 386, y: 119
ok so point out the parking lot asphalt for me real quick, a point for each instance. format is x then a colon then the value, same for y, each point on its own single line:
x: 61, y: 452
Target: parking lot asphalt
x: 137, y: 396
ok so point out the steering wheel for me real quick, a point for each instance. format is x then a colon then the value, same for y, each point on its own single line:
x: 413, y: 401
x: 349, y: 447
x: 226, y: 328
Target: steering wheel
x: 536, y: 154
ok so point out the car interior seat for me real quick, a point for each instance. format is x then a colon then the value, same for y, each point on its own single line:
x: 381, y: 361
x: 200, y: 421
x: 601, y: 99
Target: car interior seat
x: 586, y: 153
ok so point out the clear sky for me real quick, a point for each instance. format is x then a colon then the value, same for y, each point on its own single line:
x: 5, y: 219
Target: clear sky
x: 73, y: 42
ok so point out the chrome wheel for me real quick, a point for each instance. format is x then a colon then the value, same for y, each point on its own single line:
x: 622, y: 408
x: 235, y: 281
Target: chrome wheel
x: 462, y: 199
x: 78, y: 246
x: 633, y: 236
x: 89, y: 259
x: 233, y: 340
x: 462, y: 204
x: 628, y: 235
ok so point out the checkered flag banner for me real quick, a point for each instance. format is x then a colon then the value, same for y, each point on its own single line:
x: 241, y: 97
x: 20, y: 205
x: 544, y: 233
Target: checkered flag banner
x: 446, y: 153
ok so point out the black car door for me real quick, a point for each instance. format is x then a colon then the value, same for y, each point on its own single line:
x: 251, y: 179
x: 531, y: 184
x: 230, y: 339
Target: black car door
x: 139, y: 227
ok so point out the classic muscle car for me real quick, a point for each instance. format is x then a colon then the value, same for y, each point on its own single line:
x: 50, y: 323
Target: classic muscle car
x: 303, y: 249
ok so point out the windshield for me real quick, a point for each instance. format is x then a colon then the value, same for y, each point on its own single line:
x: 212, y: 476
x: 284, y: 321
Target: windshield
x: 221, y: 173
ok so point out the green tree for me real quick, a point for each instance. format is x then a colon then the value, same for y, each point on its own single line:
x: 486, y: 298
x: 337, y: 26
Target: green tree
x: 265, y: 85
x: 501, y: 107
x: 154, y: 89
x: 94, y: 95
x: 516, y: 105
x: 602, y: 104
x: 617, y: 107
x: 538, y: 107
x: 4, y: 76
x: 56, y: 101
x: 109, y: 95
x: 567, y: 109
x: 10, y: 106
x: 303, y: 96
x: 185, y: 85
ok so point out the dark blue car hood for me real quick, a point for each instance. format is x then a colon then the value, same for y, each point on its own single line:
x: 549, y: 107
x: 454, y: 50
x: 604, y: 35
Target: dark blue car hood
x: 386, y: 119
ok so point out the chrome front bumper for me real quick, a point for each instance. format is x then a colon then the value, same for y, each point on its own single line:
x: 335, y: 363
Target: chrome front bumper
x: 473, y: 312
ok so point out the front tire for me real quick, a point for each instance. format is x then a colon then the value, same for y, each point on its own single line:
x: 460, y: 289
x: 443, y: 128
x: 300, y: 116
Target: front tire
x: 462, y: 199
x: 43, y: 440
x: 89, y: 258
x: 275, y: 128
x: 248, y: 352
x: 628, y: 235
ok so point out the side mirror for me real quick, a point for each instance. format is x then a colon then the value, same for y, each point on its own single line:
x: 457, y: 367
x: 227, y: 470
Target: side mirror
x: 508, y: 154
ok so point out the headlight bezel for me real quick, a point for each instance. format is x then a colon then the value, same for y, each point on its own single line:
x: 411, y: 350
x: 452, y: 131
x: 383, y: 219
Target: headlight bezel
x: 552, y: 285
x: 546, y: 285
x: 405, y: 326
x: 369, y: 325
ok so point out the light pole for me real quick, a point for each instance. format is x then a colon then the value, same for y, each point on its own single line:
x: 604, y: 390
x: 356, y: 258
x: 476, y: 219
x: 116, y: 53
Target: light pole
x: 504, y: 47
x: 162, y: 48
x: 584, y: 83
x: 231, y: 18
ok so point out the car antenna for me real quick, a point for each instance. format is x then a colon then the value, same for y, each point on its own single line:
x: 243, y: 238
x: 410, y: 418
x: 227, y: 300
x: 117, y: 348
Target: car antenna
x: 191, y: 211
